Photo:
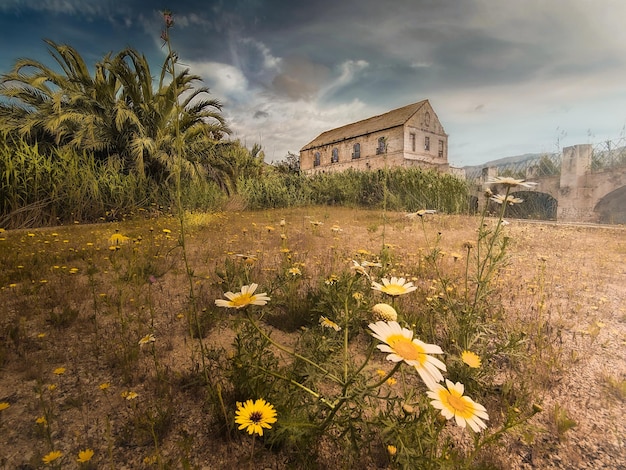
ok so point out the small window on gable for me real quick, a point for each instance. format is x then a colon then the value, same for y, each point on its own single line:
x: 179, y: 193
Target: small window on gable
x: 356, y: 151
x: 335, y: 157
x: 382, y: 147
x: 426, y: 143
x: 440, y: 150
x: 316, y: 159
x: 412, y: 138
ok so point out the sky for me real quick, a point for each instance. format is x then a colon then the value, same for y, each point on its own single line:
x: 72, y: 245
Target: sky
x: 505, y: 77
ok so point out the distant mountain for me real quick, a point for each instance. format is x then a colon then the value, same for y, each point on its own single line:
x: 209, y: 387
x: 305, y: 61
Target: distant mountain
x: 516, y: 163
x: 506, y: 161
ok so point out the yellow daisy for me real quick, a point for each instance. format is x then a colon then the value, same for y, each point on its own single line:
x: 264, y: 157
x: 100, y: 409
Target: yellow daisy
x: 149, y: 338
x: 453, y: 404
x: 244, y: 298
x: 254, y: 416
x: 326, y: 323
x: 471, y: 359
x: 401, y: 346
x: 394, y: 286
x: 85, y: 455
x: 4, y: 405
x: 295, y: 272
x: 51, y: 457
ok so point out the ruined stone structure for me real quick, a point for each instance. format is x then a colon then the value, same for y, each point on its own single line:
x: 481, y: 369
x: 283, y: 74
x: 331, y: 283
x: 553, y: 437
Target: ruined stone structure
x: 405, y: 137
x: 581, y: 194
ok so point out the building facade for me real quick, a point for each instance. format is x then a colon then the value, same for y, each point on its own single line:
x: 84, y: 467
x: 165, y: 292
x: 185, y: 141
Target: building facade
x: 404, y: 137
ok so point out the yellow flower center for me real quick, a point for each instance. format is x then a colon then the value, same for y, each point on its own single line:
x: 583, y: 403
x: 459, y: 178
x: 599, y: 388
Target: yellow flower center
x: 459, y: 405
x: 406, y: 348
x: 241, y: 300
x: 394, y: 289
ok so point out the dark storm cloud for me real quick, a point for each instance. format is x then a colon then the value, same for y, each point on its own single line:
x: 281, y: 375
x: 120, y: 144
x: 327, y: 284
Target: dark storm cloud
x: 288, y: 70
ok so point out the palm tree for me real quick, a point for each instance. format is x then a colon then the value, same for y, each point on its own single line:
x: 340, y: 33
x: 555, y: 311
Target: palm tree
x: 117, y: 113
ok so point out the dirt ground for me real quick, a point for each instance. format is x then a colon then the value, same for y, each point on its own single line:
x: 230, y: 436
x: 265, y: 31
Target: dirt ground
x: 577, y: 272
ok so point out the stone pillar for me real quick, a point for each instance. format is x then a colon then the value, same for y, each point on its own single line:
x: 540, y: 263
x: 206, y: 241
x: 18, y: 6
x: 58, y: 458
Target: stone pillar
x: 576, y: 198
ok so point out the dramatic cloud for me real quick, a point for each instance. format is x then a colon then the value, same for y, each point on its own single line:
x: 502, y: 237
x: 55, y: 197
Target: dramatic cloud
x: 504, y: 76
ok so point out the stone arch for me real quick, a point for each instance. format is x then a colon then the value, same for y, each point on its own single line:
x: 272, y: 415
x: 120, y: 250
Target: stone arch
x: 536, y: 205
x: 611, y: 209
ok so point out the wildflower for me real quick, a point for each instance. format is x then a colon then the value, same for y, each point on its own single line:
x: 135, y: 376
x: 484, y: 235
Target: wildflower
x: 149, y: 338
x: 316, y: 223
x: 283, y: 222
x: 403, y: 347
x: 510, y: 182
x: 390, y: 381
x: 502, y: 199
x: 359, y: 268
x: 326, y: 323
x: 384, y: 312
x: 117, y: 239
x: 370, y: 264
x: 41, y: 420
x: 129, y: 395
x: 41, y: 335
x: 453, y: 404
x: 85, y: 455
x: 269, y: 228
x: 336, y: 228
x: 104, y: 386
x: 4, y: 405
x: 59, y: 371
x: 254, y: 416
x: 244, y: 298
x: 358, y: 296
x: 471, y: 359
x: 73, y: 270
x: 52, y: 387
x: 392, y: 450
x: 51, y: 456
x: 331, y: 280
x: 167, y: 231
x: 295, y: 272
x: 395, y: 286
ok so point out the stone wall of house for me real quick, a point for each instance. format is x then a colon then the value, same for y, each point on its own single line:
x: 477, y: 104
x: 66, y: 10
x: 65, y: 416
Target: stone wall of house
x: 404, y: 146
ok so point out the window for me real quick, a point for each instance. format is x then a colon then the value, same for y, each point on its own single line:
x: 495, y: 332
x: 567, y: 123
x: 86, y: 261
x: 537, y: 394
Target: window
x: 440, y: 150
x: 316, y: 159
x: 335, y: 157
x: 382, y: 147
x: 426, y: 143
x: 412, y: 138
x: 356, y: 151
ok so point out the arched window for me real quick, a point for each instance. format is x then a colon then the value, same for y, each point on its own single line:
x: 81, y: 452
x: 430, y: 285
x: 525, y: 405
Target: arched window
x: 382, y: 146
x: 356, y: 151
x: 316, y: 159
x: 335, y: 157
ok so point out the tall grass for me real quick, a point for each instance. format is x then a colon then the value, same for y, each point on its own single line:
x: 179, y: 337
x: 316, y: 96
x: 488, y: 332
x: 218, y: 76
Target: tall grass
x: 61, y: 186
x: 408, y: 189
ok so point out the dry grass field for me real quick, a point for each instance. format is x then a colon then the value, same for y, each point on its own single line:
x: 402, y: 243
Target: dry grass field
x: 77, y: 301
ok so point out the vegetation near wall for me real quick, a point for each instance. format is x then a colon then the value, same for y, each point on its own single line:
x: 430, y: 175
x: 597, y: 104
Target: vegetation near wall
x: 60, y: 186
x: 396, y: 189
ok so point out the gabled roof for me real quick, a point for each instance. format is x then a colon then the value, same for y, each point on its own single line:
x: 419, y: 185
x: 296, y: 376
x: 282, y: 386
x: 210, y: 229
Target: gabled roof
x: 394, y: 118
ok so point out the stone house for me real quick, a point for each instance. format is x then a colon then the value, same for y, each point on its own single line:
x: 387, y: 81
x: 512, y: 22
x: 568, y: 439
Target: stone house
x: 404, y: 137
